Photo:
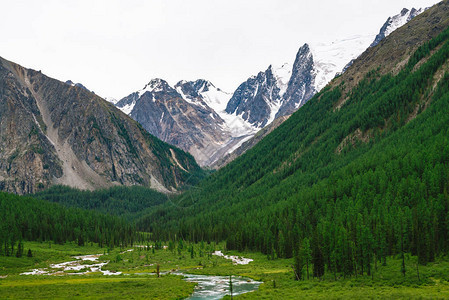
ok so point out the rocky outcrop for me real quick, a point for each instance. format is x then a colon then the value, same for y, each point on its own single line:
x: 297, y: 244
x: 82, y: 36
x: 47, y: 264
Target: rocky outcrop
x: 264, y: 97
x: 55, y: 133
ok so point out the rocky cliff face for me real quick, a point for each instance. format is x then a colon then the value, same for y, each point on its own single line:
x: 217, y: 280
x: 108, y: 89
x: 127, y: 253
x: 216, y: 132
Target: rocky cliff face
x: 55, y: 133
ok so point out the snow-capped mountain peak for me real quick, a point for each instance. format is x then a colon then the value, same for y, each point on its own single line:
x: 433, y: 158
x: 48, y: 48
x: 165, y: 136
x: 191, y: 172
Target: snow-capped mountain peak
x: 395, y: 22
x: 398, y: 20
x: 155, y: 85
x: 208, y: 122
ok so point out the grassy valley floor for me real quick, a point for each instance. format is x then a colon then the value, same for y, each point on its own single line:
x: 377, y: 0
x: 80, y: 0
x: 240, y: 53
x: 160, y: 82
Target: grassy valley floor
x: 90, y: 286
x: 140, y: 264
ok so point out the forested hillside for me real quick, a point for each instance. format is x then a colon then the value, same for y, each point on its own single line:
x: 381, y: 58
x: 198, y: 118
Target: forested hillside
x: 127, y: 202
x: 28, y: 219
x: 359, y: 173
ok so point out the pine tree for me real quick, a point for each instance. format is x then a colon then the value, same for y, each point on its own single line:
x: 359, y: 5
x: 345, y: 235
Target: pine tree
x: 299, y: 265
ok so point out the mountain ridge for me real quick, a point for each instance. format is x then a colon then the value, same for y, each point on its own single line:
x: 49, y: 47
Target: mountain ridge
x: 71, y: 136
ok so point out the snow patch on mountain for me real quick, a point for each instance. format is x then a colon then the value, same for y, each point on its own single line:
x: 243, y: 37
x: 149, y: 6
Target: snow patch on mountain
x: 331, y: 58
x: 237, y: 125
x: 128, y: 108
x: 215, y: 98
x: 205, y: 94
x: 274, y: 109
x: 282, y: 74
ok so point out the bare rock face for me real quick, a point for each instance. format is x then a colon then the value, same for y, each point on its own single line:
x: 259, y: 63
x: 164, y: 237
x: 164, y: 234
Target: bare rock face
x: 55, y: 133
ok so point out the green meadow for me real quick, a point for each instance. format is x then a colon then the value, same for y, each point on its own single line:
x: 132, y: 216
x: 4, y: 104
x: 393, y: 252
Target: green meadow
x: 139, y: 279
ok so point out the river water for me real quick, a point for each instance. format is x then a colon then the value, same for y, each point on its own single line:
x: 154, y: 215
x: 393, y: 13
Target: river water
x: 216, y: 287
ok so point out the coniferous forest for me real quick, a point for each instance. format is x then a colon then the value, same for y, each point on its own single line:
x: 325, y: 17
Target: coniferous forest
x: 28, y: 219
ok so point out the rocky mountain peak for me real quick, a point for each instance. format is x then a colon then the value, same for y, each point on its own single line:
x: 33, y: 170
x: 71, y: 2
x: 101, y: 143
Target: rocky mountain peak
x: 203, y: 85
x: 404, y: 11
x: 193, y: 89
x: 300, y: 87
x: 256, y: 99
x: 156, y: 85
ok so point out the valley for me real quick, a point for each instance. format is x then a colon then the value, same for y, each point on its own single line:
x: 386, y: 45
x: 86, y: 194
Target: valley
x: 327, y: 178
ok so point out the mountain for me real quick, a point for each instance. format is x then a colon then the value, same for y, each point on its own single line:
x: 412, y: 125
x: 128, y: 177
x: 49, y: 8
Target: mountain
x: 279, y: 92
x: 301, y: 85
x: 275, y: 92
x: 265, y: 97
x: 183, y: 120
x: 211, y: 124
x: 56, y: 133
x: 189, y: 115
x: 394, y: 23
x: 359, y: 168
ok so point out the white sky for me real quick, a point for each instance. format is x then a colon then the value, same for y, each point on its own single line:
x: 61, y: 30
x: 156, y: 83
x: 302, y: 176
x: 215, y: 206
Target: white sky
x: 115, y: 47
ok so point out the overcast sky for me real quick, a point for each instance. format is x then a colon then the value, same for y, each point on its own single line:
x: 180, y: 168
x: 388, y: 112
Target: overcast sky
x: 115, y: 47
